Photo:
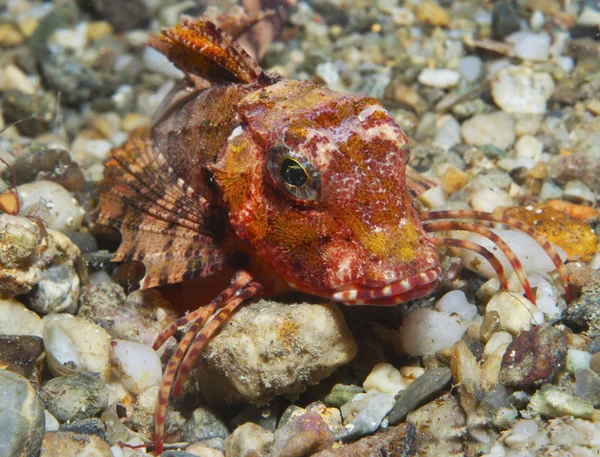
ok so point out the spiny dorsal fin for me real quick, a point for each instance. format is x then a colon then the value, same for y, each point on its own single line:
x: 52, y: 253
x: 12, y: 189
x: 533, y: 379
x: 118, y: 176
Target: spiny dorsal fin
x: 201, y: 48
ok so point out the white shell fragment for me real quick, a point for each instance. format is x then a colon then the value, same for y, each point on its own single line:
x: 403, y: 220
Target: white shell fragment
x: 136, y: 365
x: 73, y: 344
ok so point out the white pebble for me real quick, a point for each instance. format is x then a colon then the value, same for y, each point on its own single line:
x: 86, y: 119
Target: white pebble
x: 16, y: 319
x: 447, y: 133
x: 442, y: 78
x: 73, y: 344
x: 434, y: 197
x: 470, y: 68
x: 136, y: 365
x: 52, y: 424
x: 537, y: 21
x: 530, y: 46
x: 75, y: 39
x: 385, y: 378
x: 426, y: 331
x: 496, y: 342
x: 455, y: 302
x: 530, y: 253
x: 529, y: 147
x: 53, y: 203
x: 577, y: 360
x: 521, y: 90
x: 497, y: 129
x: 156, y: 61
x: 577, y: 191
x: 516, y: 312
x: 489, y: 198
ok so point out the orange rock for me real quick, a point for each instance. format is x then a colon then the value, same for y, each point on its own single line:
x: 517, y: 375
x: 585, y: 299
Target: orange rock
x: 575, y: 236
x: 453, y: 180
x: 579, y: 212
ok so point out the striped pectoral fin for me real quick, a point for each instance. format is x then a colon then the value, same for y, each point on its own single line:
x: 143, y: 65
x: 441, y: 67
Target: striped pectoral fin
x: 169, y: 258
x: 203, y: 49
x: 417, y: 183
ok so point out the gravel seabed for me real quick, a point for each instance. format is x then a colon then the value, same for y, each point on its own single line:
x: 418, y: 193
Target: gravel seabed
x: 500, y: 101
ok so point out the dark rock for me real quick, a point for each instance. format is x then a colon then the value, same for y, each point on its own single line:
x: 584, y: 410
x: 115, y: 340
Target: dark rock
x: 22, y: 354
x: 17, y: 105
x: 584, y: 313
x: 91, y: 426
x: 566, y: 94
x: 342, y: 393
x: 21, y: 417
x: 505, y: 20
x: 79, y: 396
x: 422, y: 390
x: 28, y: 167
x: 533, y: 358
x: 123, y: 16
x: 57, y: 291
x: 518, y: 400
x: 395, y: 442
x: 587, y: 386
x: 177, y: 454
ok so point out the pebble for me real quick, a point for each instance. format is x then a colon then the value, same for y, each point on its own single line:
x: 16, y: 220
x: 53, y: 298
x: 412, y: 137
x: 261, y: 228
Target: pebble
x: 123, y: 17
x: 136, y: 365
x: 74, y: 344
x: 587, y: 386
x: 552, y: 401
x: 203, y: 425
x: 595, y: 362
x: 23, y: 355
x: 505, y: 20
x: 470, y: 68
x: 303, y: 435
x: 496, y: 129
x: 267, y: 349
x: 455, y: 302
x: 12, y: 77
x: 61, y: 444
x: 533, y: 358
x: 79, y: 396
x: 57, y: 291
x: 516, y: 313
x: 442, y: 78
x: 530, y: 147
x: 17, y: 105
x: 530, y: 46
x: 447, y: 132
x: 431, y: 13
x: 422, y: 390
x: 577, y: 360
x: 518, y: 89
x: 246, y: 437
x: 578, y: 192
x: 16, y: 319
x: 426, y: 331
x: 368, y: 419
x: 157, y: 62
x: 341, y: 394
x: 584, y: 312
x: 21, y: 417
x: 385, y: 378
x: 50, y: 201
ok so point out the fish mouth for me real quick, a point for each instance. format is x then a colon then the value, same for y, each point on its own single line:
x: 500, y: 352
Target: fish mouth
x: 415, y: 286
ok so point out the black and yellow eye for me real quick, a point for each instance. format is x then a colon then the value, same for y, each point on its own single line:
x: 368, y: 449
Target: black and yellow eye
x: 293, y: 173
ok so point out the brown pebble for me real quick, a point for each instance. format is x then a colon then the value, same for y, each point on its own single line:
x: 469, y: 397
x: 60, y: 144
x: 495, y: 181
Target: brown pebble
x: 595, y: 362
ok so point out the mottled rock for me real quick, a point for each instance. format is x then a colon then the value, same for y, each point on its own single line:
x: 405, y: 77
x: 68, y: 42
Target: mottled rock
x: 268, y: 349
x: 21, y: 417
x: 397, y: 442
x: 552, y: 401
x: 57, y: 291
x: 301, y: 436
x: 422, y: 390
x: 584, y: 312
x: 75, y: 397
x: 342, y: 393
x: 533, y: 358
x: 61, y: 444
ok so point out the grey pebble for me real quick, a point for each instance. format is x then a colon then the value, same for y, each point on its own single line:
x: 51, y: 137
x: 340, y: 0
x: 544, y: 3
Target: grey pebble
x: 423, y: 389
x: 177, y: 454
x: 505, y: 20
x: 122, y: 15
x: 91, y: 426
x: 587, y: 386
x: 56, y: 292
x: 205, y: 425
x: 342, y: 393
x: 73, y: 397
x: 17, y: 105
x: 22, y: 417
x: 368, y: 419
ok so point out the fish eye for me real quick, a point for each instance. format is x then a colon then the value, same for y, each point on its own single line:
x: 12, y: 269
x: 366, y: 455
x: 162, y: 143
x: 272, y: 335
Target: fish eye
x: 293, y: 173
